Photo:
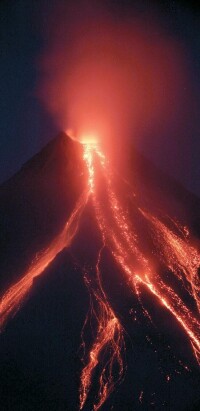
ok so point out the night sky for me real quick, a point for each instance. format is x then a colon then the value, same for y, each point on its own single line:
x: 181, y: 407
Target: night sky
x: 26, y: 126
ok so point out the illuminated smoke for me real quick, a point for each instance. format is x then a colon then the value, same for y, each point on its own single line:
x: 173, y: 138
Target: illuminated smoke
x: 113, y: 78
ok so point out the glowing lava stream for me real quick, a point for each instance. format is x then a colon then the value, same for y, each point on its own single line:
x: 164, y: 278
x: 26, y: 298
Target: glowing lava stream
x: 105, y: 357
x: 14, y: 297
x: 108, y: 344
x: 122, y: 242
x: 178, y: 255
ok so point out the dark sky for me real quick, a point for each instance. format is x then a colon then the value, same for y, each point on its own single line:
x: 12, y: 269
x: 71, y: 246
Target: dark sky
x: 26, y: 126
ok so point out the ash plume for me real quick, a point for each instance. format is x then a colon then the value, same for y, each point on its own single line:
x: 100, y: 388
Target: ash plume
x: 110, y: 77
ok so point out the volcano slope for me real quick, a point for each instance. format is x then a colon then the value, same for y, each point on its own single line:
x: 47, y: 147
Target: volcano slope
x: 102, y: 269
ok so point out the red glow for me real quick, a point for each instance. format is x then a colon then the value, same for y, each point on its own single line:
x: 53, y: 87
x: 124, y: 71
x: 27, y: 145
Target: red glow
x: 112, y: 78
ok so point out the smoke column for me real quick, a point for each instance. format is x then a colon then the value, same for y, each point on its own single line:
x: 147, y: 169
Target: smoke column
x: 110, y: 77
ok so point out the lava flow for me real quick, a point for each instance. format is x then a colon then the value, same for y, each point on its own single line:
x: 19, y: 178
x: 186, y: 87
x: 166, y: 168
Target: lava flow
x: 109, y: 336
x: 15, y: 295
x: 119, y: 234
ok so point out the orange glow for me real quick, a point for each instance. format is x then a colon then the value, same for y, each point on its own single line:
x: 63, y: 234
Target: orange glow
x: 89, y: 139
x: 111, y: 76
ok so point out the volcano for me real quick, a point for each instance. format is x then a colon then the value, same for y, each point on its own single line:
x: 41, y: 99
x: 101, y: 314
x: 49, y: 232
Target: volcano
x: 99, y: 284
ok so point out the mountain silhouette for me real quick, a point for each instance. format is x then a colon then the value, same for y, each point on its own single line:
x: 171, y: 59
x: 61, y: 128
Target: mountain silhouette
x: 40, y: 348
